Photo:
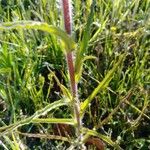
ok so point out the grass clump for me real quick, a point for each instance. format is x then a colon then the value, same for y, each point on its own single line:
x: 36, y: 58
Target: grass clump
x: 85, y: 90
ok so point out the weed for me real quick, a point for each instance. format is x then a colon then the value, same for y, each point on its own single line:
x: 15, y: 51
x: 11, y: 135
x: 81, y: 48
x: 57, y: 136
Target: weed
x: 104, y: 100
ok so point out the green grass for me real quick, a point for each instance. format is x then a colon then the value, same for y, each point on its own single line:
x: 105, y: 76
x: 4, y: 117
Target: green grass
x: 34, y: 83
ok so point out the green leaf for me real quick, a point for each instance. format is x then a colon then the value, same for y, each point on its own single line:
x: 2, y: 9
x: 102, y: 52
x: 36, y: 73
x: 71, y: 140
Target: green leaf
x: 5, y: 70
x: 78, y: 75
x: 84, y: 42
x: 13, y: 144
x: 54, y: 120
x: 4, y: 145
x: 103, y: 84
x: 16, y: 144
x: 65, y: 91
x: 67, y: 41
x: 103, y: 137
x: 7, y: 129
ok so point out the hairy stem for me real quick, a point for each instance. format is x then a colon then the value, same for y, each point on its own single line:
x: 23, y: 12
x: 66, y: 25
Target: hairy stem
x: 66, y: 5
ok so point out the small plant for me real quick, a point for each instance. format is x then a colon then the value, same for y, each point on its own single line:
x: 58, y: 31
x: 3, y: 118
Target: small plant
x: 75, y: 58
x: 75, y: 71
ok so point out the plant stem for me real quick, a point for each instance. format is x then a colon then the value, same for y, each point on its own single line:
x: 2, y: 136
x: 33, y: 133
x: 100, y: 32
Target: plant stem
x: 66, y: 5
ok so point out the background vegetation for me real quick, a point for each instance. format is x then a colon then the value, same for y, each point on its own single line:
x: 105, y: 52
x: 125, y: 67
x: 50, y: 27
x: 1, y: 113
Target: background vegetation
x: 29, y: 59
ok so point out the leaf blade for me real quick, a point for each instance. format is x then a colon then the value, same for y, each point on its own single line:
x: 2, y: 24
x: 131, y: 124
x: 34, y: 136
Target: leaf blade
x: 101, y: 85
x: 66, y: 39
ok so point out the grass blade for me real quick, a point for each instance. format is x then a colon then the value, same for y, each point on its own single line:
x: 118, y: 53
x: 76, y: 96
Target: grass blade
x: 84, y: 42
x: 103, y: 137
x: 101, y: 85
x: 68, y: 42
x: 45, y: 136
x: 54, y: 120
x: 7, y: 129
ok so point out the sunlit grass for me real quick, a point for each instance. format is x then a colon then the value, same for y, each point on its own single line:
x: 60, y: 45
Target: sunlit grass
x: 33, y: 74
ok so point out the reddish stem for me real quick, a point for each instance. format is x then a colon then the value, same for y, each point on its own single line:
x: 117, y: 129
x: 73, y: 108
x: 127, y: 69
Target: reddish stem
x: 67, y: 16
x: 66, y: 5
x: 69, y: 56
x: 71, y: 73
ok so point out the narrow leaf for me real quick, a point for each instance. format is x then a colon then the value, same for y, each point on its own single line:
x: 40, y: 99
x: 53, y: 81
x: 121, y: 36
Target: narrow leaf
x: 67, y: 40
x: 103, y: 137
x: 7, y: 129
x: 65, y: 91
x: 45, y: 136
x: 78, y: 75
x: 54, y: 120
x: 101, y: 85
x: 85, y: 40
